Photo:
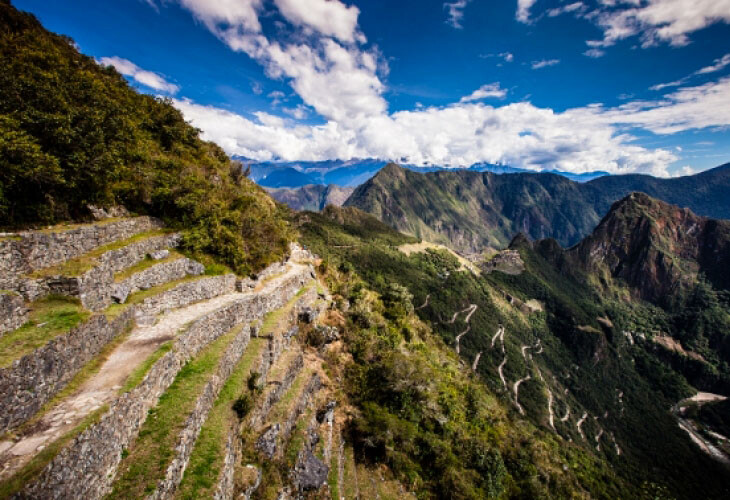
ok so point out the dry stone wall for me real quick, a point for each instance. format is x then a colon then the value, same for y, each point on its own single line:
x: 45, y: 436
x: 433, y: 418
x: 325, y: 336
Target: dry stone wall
x: 31, y: 381
x: 32, y: 250
x: 167, y: 487
x: 13, y: 313
x: 182, y: 295
x: 86, y: 467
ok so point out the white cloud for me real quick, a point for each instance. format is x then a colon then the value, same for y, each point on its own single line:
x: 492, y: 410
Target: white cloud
x: 485, y: 91
x: 230, y: 16
x: 523, y: 10
x: 594, y: 53
x: 675, y: 83
x: 455, y: 12
x: 146, y: 78
x: 328, y: 17
x: 657, y: 21
x: 717, y: 65
x: 298, y: 112
x: 507, y: 56
x: 544, y: 63
x: 571, y: 7
x: 340, y: 82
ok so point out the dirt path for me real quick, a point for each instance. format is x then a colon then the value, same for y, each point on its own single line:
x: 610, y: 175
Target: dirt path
x: 516, y: 390
x: 551, y: 415
x: 499, y: 334
x: 579, y: 424
x: 468, y: 326
x: 500, y: 371
x: 425, y: 303
x: 471, y: 308
x: 565, y: 417
x: 598, y: 438
x: 476, y: 361
x: 689, y: 427
x: 103, y: 387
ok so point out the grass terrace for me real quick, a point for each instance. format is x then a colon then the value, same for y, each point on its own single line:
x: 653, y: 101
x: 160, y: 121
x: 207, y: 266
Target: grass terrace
x: 49, y: 317
x: 147, y: 461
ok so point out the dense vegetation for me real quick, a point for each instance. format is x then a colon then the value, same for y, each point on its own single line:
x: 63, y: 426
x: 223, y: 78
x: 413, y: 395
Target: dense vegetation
x: 435, y: 425
x: 73, y: 133
x: 586, y: 363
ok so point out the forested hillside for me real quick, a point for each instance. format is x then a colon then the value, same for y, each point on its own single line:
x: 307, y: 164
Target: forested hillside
x: 552, y: 348
x: 73, y: 133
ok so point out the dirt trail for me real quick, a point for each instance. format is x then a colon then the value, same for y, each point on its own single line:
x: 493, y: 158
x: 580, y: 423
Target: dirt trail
x: 551, y: 415
x: 598, y: 438
x: 468, y: 326
x: 500, y: 368
x: 425, y: 303
x: 476, y: 361
x: 500, y: 371
x: 516, y: 390
x: 499, y: 334
x: 471, y: 308
x: 579, y: 424
x: 565, y: 417
x: 103, y: 387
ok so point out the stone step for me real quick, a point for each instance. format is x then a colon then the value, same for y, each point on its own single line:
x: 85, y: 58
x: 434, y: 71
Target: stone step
x: 30, y: 251
x: 85, y: 467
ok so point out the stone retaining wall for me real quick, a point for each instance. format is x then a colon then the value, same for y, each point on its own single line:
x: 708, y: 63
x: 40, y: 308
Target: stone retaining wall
x: 95, y: 296
x: 34, y: 379
x: 32, y: 250
x: 86, y: 467
x: 167, y: 487
x: 13, y: 313
x: 183, y: 295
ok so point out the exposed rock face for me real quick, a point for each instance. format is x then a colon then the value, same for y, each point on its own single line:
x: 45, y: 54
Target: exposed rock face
x: 266, y: 443
x: 13, y: 312
x: 310, y: 473
x: 657, y: 248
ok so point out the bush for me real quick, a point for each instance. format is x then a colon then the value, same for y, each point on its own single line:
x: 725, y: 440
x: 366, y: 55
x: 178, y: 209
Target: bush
x: 243, y: 405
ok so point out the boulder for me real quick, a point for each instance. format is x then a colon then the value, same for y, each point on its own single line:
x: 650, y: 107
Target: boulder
x: 310, y: 472
x: 160, y: 254
x: 266, y: 444
x: 120, y: 293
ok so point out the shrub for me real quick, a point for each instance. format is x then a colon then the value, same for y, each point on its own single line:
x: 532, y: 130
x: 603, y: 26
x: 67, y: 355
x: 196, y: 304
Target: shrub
x: 243, y: 405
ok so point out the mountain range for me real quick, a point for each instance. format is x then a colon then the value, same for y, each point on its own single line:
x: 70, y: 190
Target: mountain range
x: 470, y: 211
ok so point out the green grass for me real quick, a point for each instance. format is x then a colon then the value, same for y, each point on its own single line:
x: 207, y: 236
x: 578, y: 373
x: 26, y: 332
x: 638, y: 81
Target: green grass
x: 33, y: 468
x: 283, y: 406
x: 139, y: 373
x: 154, y: 448
x: 49, y: 317
x: 79, y: 265
x: 145, y: 264
x: 202, y: 473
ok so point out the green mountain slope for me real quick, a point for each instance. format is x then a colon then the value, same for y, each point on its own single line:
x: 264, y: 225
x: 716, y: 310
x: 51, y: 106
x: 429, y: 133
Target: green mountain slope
x: 470, y: 211
x: 568, y: 368
x: 73, y: 133
x: 311, y: 197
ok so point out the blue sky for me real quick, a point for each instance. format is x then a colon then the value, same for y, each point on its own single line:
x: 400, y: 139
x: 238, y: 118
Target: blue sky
x: 617, y: 85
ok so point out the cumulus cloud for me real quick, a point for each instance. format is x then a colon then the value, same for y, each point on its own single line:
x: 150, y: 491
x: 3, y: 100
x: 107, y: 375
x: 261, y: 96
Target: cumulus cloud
x: 341, y: 82
x: 544, y: 63
x: 328, y: 17
x: 485, y: 91
x: 146, y: 78
x: 657, y: 21
x: 571, y: 7
x: 717, y: 65
x: 455, y: 12
x: 523, y: 10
